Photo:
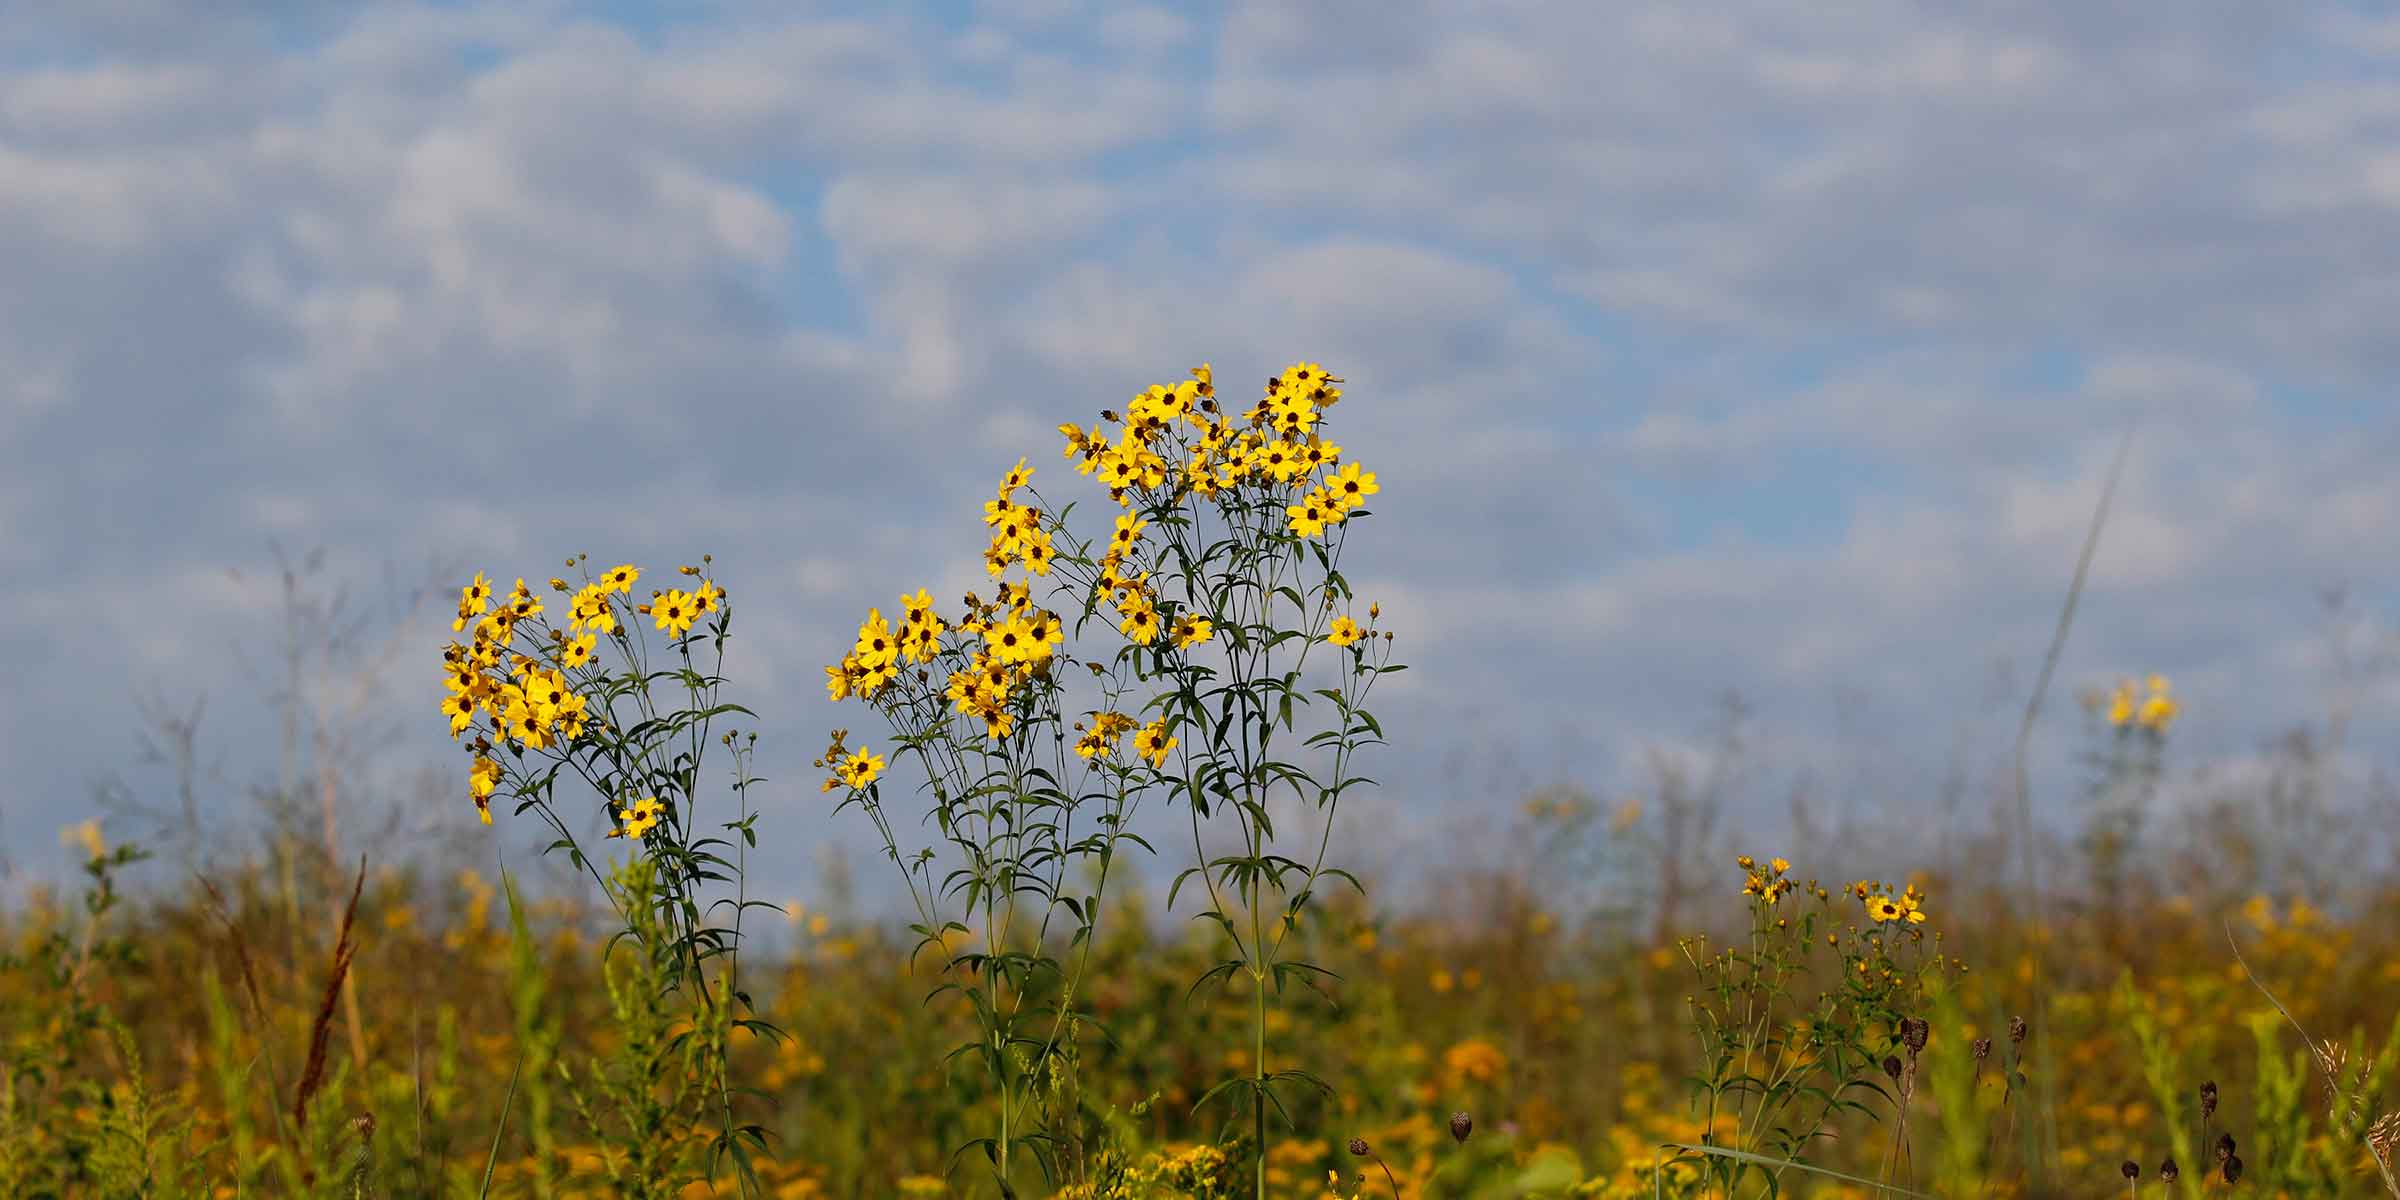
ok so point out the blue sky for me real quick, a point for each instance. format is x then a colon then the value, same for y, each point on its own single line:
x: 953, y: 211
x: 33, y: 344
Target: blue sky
x: 1749, y: 345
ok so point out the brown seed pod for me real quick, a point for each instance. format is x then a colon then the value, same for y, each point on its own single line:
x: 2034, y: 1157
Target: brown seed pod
x: 1891, y: 1065
x: 1461, y: 1125
x: 2208, y: 1099
x: 2233, y: 1169
x: 2131, y: 1169
x: 1358, y: 1147
x: 2168, y: 1172
x: 2225, y: 1146
x: 1983, y: 1048
x: 2017, y: 1030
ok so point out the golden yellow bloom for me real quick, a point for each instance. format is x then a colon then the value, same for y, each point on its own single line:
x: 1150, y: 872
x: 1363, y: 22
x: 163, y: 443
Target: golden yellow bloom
x: 674, y: 611
x: 1192, y: 630
x: 640, y: 817
x: 707, y: 595
x: 1018, y: 476
x: 622, y: 579
x: 1313, y: 514
x: 482, y: 780
x: 576, y: 651
x: 1345, y: 631
x: 1351, y: 486
x: 1154, y: 743
x: 460, y: 708
x: 474, y: 600
x: 1141, y: 621
x: 862, y: 768
x: 876, y: 646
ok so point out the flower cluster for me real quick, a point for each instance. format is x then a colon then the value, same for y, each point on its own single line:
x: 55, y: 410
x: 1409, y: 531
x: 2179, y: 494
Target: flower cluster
x: 530, y: 683
x: 2128, y: 706
x: 1886, y: 907
x: 1770, y: 884
x: 1273, y: 444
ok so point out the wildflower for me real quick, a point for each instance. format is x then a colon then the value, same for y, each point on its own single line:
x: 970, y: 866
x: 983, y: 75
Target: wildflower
x: 576, y: 652
x: 1351, y: 487
x: 2159, y: 710
x: 86, y: 835
x: 1154, y: 743
x: 1190, y: 631
x: 861, y: 768
x: 621, y: 580
x: 482, y: 779
x: 1344, y: 632
x: 1141, y: 620
x: 1310, y: 516
x: 876, y: 646
x: 474, y: 600
x: 639, y: 818
x: 708, y: 595
x: 461, y: 709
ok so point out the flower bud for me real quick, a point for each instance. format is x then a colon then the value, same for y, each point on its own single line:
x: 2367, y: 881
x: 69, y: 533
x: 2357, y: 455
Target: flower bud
x: 1461, y: 1125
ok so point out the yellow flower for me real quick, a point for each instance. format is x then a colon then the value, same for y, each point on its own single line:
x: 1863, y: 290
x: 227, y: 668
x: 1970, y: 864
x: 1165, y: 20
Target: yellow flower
x: 2120, y: 705
x: 482, y: 780
x: 707, y: 595
x: 85, y: 835
x: 622, y: 579
x: 862, y: 768
x: 1141, y: 620
x: 576, y: 652
x: 460, y: 708
x: 640, y: 818
x: 1351, y: 487
x: 474, y: 600
x: 1018, y: 476
x: 1345, y: 631
x: 875, y: 646
x: 674, y: 611
x: 1154, y: 743
x: 1312, y: 514
x: 1017, y: 641
x: 1192, y: 630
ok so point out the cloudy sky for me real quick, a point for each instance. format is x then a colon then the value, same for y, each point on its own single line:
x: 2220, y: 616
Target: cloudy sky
x: 1779, y: 346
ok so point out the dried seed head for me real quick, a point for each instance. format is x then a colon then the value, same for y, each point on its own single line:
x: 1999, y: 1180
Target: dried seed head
x: 2225, y: 1146
x: 2168, y: 1172
x: 2233, y: 1169
x: 1461, y: 1125
x: 1983, y: 1048
x: 1915, y: 1033
x: 1891, y: 1065
x: 2131, y: 1169
x: 1358, y: 1147
x: 2017, y: 1029
x: 2384, y: 1135
x: 2208, y: 1099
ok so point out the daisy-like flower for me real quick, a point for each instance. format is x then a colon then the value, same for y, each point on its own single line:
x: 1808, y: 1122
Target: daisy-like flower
x: 1344, y: 632
x: 876, y: 645
x: 674, y: 611
x: 1313, y: 514
x: 622, y: 579
x: 1351, y: 486
x: 474, y: 600
x: 576, y: 651
x: 1154, y: 743
x: 482, y: 780
x: 640, y: 817
x: 861, y: 768
x: 460, y: 708
x: 1190, y: 630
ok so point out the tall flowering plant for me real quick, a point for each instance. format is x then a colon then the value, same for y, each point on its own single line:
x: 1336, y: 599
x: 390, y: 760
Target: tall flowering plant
x: 580, y: 695
x: 1211, y: 623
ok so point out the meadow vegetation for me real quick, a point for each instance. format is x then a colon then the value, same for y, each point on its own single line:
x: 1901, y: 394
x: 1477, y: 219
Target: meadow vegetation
x: 1634, y: 998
